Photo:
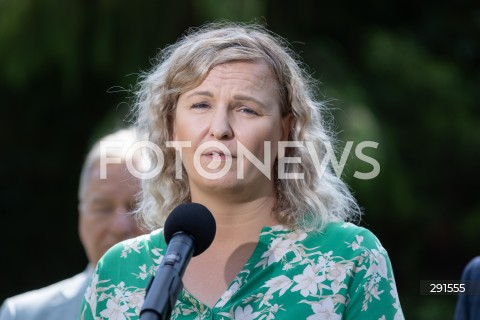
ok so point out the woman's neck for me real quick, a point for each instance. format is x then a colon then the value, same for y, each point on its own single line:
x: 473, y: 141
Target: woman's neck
x: 238, y: 228
x: 238, y: 222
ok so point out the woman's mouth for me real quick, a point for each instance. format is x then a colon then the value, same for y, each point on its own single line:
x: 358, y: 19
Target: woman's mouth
x: 217, y: 155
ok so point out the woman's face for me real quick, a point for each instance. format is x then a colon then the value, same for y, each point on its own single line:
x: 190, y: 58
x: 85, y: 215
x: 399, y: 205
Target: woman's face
x: 236, y: 108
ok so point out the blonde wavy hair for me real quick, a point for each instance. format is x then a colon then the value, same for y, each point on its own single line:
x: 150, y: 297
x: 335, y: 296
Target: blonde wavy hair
x: 307, y: 203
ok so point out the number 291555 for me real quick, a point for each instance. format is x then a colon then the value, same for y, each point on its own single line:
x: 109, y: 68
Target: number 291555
x: 447, y: 287
x: 442, y: 287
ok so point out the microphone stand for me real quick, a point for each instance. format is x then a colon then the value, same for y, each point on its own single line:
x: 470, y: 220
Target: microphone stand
x: 164, y: 288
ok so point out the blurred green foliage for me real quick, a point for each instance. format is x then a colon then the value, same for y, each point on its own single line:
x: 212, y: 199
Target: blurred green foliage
x: 405, y: 75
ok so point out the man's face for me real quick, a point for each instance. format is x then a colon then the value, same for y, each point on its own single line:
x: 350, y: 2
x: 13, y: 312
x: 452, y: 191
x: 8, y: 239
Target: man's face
x: 105, y: 212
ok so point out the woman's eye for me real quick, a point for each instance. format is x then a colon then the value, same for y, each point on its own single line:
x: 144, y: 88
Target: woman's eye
x: 200, y: 105
x: 248, y: 111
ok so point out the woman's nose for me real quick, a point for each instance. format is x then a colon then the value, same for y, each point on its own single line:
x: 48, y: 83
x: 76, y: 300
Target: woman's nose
x: 220, y: 126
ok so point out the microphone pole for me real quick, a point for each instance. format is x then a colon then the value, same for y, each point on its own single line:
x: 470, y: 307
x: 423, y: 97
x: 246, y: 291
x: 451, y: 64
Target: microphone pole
x: 189, y: 230
x: 167, y: 282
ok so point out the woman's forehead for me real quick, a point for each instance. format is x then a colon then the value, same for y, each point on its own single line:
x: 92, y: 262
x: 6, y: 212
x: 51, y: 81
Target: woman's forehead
x: 253, y: 74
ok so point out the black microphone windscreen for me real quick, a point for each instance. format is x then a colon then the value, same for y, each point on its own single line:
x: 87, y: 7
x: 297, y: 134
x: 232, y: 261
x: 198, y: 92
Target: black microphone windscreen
x: 194, y: 219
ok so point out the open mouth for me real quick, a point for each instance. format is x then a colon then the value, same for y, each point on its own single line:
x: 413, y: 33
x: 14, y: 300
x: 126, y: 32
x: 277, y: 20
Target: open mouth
x: 217, y: 155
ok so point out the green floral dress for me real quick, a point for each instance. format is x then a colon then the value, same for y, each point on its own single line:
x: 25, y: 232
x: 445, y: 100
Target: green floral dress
x: 340, y: 273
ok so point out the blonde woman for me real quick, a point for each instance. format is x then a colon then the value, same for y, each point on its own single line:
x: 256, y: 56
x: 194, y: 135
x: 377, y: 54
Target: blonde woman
x: 234, y: 115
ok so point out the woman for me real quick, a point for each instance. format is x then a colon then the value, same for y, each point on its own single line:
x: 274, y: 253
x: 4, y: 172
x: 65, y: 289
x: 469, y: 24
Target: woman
x: 283, y: 247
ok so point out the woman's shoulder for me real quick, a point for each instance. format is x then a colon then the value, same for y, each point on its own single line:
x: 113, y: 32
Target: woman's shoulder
x: 348, y: 230
x: 345, y: 236
x: 149, y: 244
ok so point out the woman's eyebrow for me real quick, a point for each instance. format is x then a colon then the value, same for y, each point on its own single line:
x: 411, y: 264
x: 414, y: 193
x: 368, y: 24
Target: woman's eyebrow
x: 200, y: 93
x: 236, y: 97
x: 248, y: 98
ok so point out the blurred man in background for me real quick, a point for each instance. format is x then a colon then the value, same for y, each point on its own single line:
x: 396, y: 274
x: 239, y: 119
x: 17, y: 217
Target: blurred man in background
x: 107, y: 197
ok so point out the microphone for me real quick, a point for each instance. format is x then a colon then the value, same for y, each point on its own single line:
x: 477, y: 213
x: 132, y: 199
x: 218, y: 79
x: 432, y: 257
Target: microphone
x: 189, y: 230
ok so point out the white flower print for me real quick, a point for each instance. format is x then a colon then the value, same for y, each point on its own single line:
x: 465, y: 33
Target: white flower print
x: 308, y: 274
x: 324, y: 260
x: 144, y: 273
x: 228, y: 294
x: 114, y: 311
x: 379, y: 264
x: 336, y: 272
x: 357, y: 243
x: 129, y: 246
x: 278, y: 249
x: 280, y: 283
x: 273, y: 310
x: 246, y: 313
x: 266, y: 300
x: 399, y: 315
x: 296, y: 236
x: 324, y: 310
x: 336, y: 286
x: 90, y: 293
x: 135, y: 300
x: 158, y: 253
x: 308, y: 281
x: 287, y: 266
x: 393, y: 290
x: 394, y: 294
